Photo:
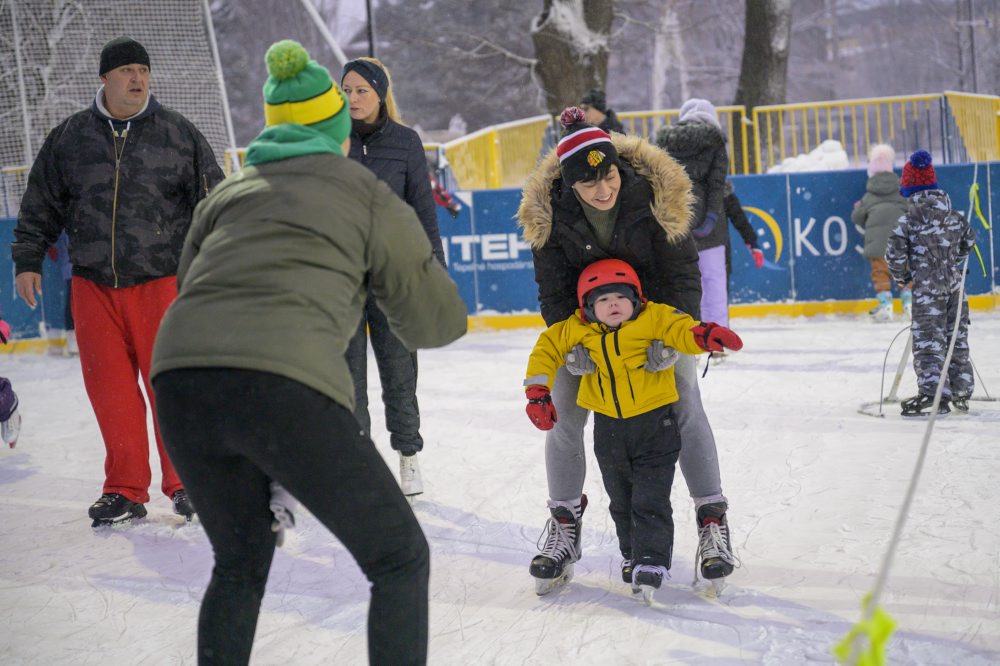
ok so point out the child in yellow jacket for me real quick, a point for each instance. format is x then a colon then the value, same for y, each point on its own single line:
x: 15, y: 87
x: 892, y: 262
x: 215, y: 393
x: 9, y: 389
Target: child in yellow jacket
x: 636, y: 438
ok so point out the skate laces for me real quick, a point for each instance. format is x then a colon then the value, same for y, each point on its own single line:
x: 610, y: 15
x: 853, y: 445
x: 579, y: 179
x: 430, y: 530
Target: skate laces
x: 107, y: 499
x: 560, y: 539
x: 713, y: 543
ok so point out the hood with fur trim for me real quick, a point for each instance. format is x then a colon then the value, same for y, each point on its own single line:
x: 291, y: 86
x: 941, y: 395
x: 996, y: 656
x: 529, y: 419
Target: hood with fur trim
x: 672, y: 199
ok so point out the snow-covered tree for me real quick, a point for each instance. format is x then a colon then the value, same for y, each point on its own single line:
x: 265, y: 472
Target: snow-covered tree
x: 764, y: 68
x: 571, y: 49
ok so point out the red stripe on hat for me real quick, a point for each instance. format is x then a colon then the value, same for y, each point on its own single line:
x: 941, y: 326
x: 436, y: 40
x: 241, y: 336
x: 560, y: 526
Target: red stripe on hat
x: 571, y: 143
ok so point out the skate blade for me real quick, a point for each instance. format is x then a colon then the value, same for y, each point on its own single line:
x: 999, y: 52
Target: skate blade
x: 647, y: 594
x: 545, y: 585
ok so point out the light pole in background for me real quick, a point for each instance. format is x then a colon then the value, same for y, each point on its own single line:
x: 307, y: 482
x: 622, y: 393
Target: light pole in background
x: 371, y: 28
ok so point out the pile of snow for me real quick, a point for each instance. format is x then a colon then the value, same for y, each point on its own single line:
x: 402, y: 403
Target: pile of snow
x: 827, y: 156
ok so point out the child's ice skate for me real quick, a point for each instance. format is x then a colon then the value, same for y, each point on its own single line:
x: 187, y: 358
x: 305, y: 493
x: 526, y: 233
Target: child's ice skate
x: 906, y: 296
x: 10, y: 419
x: 553, y: 566
x: 883, y: 311
x: 10, y: 427
x: 648, y: 578
x: 627, y: 566
x: 920, y: 405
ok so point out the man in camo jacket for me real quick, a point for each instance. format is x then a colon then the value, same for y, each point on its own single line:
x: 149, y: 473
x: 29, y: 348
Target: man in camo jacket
x: 929, y: 247
x: 122, y: 178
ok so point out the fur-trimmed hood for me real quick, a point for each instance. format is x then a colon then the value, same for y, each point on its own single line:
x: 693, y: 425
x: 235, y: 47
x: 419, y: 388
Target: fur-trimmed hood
x: 672, y: 199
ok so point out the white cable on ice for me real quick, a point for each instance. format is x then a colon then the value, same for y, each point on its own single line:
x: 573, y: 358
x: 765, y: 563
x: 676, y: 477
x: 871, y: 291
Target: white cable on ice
x: 897, y: 530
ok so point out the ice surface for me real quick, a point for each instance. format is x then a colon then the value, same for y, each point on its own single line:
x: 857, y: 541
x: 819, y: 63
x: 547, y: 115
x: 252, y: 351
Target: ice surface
x: 814, y: 488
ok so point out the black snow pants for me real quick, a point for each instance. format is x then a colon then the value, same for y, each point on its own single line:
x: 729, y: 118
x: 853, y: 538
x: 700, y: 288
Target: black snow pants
x: 229, y: 432
x: 637, y: 457
x: 397, y: 371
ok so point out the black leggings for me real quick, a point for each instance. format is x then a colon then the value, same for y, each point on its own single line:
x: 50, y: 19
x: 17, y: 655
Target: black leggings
x: 230, y: 432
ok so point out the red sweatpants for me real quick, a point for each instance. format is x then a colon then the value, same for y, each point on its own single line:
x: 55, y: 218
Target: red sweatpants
x: 115, y: 330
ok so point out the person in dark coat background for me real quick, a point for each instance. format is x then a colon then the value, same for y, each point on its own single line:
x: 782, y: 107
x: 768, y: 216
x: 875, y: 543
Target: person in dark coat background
x: 595, y: 107
x: 395, y: 154
x: 734, y: 213
x: 699, y: 144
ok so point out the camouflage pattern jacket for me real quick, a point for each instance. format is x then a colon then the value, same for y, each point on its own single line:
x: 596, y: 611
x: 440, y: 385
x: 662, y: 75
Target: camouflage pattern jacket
x: 929, y: 244
x: 125, y: 197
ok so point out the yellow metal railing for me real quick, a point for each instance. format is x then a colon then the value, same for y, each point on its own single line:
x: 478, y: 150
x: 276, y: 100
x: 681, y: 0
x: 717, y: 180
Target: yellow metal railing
x: 786, y: 130
x: 732, y: 118
x: 497, y: 156
x: 978, y: 122
x: 504, y: 155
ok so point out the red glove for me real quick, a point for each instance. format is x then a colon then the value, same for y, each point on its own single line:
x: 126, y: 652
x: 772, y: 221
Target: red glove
x: 540, y: 409
x: 714, y: 338
x: 758, y: 256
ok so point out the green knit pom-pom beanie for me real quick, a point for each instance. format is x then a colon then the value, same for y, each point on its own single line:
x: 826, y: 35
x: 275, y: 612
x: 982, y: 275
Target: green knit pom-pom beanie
x: 300, y: 90
x: 285, y: 59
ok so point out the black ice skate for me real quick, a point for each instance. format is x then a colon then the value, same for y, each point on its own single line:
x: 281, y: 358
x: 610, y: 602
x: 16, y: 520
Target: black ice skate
x: 627, y: 565
x: 961, y: 405
x: 715, y: 559
x: 183, y: 505
x: 921, y: 406
x: 553, y: 566
x: 647, y: 578
x: 115, y: 509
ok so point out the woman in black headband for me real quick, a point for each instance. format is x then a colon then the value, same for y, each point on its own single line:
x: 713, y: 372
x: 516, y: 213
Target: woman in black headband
x: 395, y: 154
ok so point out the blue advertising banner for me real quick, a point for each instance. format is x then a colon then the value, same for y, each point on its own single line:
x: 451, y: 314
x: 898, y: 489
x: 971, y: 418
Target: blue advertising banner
x: 803, y: 224
x: 765, y: 203
x: 485, y: 254
x: 25, y: 322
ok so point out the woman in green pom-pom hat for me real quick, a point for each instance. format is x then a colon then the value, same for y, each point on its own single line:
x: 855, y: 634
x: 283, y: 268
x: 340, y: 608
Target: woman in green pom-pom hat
x: 249, y: 373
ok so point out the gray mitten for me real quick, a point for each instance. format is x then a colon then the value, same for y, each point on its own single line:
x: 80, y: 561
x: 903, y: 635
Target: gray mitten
x: 660, y: 357
x: 578, y: 361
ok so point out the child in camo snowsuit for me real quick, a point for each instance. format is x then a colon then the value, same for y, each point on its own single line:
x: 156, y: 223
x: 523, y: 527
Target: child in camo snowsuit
x: 929, y: 247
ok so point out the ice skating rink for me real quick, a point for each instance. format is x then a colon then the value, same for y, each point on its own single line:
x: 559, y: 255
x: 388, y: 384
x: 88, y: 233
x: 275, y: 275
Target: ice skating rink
x: 814, y: 489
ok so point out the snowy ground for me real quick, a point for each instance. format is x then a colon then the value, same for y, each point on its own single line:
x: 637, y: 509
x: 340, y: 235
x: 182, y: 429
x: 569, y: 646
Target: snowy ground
x: 814, y: 489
